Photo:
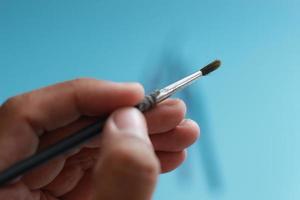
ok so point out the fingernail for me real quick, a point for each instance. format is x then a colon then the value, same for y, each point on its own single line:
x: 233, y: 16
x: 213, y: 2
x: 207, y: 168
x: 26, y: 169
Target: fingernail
x: 130, y: 121
x: 184, y: 122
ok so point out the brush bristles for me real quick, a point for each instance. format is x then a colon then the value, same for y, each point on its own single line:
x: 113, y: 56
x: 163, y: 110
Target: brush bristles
x: 210, y: 67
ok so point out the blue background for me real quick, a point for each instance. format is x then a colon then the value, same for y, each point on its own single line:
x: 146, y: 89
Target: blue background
x: 248, y: 110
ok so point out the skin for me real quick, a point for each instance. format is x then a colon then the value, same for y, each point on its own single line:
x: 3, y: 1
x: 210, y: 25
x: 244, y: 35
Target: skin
x: 123, y: 163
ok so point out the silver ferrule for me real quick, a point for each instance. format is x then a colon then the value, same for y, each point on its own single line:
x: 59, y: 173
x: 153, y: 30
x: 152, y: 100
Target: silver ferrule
x: 179, y: 85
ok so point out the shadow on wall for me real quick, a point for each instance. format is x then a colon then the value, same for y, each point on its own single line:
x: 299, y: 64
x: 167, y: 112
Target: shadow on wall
x: 170, y: 68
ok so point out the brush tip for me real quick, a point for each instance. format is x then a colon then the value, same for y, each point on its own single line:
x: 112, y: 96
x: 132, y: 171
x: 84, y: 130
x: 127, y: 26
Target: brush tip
x: 210, y: 67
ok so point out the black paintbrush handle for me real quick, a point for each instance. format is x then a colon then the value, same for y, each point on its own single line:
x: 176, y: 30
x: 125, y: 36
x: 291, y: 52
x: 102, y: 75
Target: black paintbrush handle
x: 62, y: 146
x: 66, y: 144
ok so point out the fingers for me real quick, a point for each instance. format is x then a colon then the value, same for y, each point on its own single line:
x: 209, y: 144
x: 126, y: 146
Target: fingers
x: 165, y: 116
x: 74, y: 173
x: 19, y: 191
x: 172, y: 110
x: 171, y: 146
x: 53, y: 137
x: 53, y: 107
x: 66, y: 181
x: 83, y: 190
x: 128, y: 167
x: 170, y: 160
x: 181, y: 137
x: 44, y: 174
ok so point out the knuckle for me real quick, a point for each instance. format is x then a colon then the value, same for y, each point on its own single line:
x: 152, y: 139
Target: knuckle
x: 19, y: 107
x: 10, y: 102
x: 15, y: 104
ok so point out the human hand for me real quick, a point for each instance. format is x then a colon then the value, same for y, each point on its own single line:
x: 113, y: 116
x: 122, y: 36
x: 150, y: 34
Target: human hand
x: 121, y: 164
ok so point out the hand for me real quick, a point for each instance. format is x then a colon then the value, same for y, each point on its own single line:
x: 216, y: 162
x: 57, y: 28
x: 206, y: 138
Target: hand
x: 122, y: 163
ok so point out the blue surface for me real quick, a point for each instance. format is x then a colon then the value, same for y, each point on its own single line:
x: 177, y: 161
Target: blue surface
x: 248, y: 110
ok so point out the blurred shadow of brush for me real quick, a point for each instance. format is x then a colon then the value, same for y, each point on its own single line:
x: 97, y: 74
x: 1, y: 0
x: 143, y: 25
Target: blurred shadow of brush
x: 171, y: 62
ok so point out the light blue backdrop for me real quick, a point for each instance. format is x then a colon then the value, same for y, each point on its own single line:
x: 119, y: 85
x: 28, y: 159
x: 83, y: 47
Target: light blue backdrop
x: 248, y: 110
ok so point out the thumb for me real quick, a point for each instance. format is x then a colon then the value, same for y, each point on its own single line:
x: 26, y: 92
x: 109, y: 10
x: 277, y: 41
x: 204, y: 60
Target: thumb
x: 128, y: 168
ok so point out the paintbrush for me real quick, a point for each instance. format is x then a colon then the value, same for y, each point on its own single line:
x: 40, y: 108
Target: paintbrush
x: 94, y: 129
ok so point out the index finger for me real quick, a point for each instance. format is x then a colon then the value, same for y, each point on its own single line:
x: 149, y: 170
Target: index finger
x: 24, y: 117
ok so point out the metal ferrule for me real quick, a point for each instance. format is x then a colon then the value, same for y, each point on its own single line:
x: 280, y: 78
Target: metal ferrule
x: 179, y: 85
